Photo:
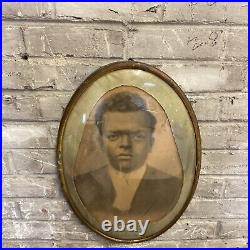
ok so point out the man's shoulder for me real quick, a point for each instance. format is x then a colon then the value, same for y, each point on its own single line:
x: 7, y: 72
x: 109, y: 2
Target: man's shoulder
x: 93, y: 174
x: 155, y: 173
x: 162, y: 180
x: 92, y: 182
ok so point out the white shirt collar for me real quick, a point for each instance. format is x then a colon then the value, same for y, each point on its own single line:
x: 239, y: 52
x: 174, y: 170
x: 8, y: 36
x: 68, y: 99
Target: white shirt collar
x: 126, y: 185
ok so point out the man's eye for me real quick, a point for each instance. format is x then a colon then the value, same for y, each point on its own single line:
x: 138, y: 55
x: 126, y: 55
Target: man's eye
x: 112, y: 137
x: 139, y: 136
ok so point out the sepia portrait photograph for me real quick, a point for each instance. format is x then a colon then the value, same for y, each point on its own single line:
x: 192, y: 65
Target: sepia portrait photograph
x: 129, y: 158
x: 129, y: 153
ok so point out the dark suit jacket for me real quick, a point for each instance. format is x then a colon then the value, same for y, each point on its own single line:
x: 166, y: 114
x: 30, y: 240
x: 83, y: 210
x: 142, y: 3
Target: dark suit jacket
x: 155, y: 197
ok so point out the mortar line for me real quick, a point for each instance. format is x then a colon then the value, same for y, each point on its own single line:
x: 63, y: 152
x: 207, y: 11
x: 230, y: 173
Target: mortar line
x: 81, y: 21
x: 171, y: 61
x: 233, y: 61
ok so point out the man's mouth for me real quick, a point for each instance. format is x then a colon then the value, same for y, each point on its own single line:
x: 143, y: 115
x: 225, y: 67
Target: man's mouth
x: 124, y: 156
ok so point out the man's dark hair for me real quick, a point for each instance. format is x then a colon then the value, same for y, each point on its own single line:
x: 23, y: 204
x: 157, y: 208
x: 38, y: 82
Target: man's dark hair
x: 123, y: 102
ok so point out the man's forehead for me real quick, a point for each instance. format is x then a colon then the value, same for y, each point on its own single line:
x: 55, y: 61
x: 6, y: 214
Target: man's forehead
x: 125, y: 120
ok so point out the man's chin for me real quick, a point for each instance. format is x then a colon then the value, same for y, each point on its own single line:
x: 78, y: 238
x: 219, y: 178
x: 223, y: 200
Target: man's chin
x: 125, y: 167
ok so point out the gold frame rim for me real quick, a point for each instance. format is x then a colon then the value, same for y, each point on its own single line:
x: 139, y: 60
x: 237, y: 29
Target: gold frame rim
x: 80, y: 90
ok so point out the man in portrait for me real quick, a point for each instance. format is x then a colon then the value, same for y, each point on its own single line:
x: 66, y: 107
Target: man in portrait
x: 127, y: 186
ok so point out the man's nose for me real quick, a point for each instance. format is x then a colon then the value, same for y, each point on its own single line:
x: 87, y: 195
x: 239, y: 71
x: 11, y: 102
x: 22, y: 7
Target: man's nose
x: 125, y: 141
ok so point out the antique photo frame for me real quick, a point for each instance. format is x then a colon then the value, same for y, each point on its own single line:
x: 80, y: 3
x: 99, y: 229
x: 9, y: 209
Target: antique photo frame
x: 129, y: 151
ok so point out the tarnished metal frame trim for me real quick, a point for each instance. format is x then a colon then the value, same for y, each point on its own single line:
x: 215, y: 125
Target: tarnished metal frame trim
x: 93, y: 77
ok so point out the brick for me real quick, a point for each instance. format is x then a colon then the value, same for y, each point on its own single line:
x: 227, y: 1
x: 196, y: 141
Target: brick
x: 206, y: 77
x: 53, y: 131
x: 223, y: 135
x: 193, y: 229
x: 15, y: 106
x: 28, y: 230
x: 214, y: 243
x: 17, y: 74
x: 6, y: 168
x: 237, y: 12
x: 34, y: 107
x: 217, y: 208
x: 212, y: 187
x: 47, y: 230
x: 10, y: 210
x: 31, y: 186
x: 58, y: 230
x: 12, y: 41
x: 68, y: 40
x: 129, y: 12
x: 235, y: 46
x: 188, y: 42
x: 245, y: 70
x: 228, y: 229
x: 45, y: 209
x: 76, y: 230
x: 234, y: 107
x: 57, y: 101
x: 27, y: 244
x: 47, y: 73
x: 23, y: 10
x: 206, y: 108
x: 92, y: 11
x: 146, y: 12
x: 224, y: 162
x: 36, y: 161
x: 74, y: 41
x: 236, y: 187
x: 189, y: 230
x: 29, y: 135
x: 209, y: 187
x: 216, y: 12
x: 226, y: 107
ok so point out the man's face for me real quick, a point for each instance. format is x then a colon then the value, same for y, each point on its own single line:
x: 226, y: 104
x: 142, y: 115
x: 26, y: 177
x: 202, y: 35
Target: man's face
x: 126, y: 139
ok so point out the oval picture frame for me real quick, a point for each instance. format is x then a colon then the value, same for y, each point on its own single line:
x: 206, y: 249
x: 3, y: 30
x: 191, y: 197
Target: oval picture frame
x: 129, y: 152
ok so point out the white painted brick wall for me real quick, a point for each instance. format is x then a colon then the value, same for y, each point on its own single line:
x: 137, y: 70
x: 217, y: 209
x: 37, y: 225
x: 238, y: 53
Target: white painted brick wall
x: 48, y: 51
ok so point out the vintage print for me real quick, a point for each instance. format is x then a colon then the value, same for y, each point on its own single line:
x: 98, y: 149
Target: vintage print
x: 129, y: 152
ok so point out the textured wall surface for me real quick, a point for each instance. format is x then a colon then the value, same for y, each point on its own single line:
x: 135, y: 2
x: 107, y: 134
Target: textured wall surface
x: 50, y: 48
